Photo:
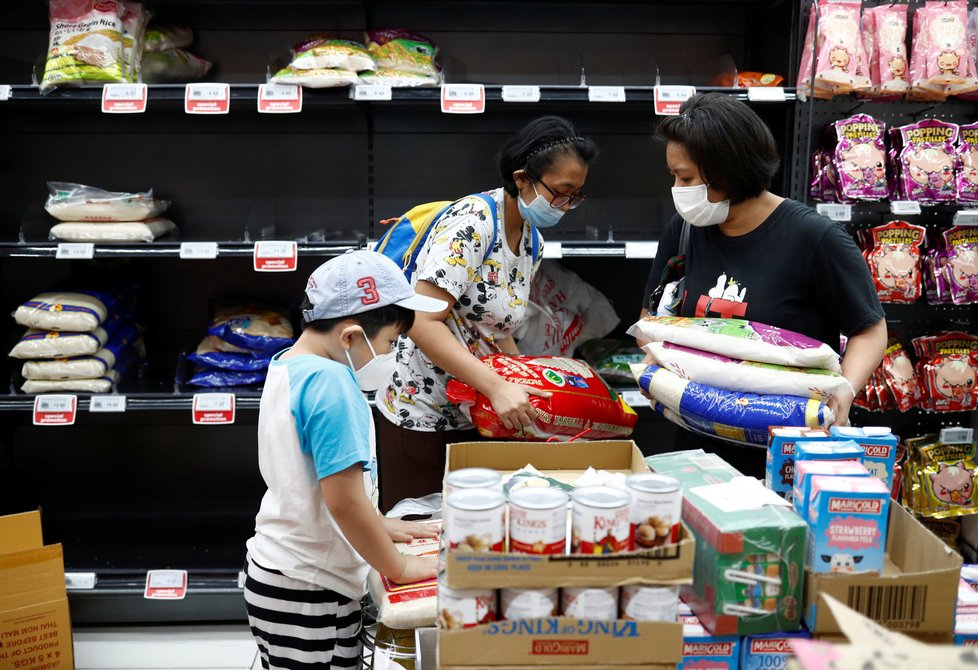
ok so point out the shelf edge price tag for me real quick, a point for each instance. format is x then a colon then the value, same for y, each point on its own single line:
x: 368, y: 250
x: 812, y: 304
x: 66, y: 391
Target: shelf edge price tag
x: 606, y: 94
x: 275, y: 256
x: 641, y: 249
x: 198, y: 250
x: 75, y: 251
x: 635, y: 399
x: 668, y: 99
x: 213, y: 409
x: 107, y: 403
x: 904, y: 207
x: 765, y: 94
x: 5, y: 91
x: 207, y: 99
x: 463, y: 98
x: 124, y: 98
x: 553, y: 250
x: 372, y: 93
x: 966, y: 217
x: 521, y: 94
x: 80, y: 581
x: 958, y: 435
x: 165, y: 585
x: 55, y: 410
x: 279, y: 98
x: 842, y: 213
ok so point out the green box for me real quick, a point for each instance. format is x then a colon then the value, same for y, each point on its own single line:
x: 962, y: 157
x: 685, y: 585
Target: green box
x: 749, y: 570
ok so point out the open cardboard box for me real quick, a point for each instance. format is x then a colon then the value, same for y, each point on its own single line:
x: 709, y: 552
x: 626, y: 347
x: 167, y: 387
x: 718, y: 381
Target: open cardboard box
x: 917, y: 592
x: 567, y: 461
x: 35, y: 626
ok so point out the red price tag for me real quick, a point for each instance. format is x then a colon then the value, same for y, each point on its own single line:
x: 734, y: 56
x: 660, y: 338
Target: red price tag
x: 166, y: 585
x: 668, y: 99
x: 55, y: 410
x: 213, y: 409
x: 275, y: 256
x: 207, y: 99
x: 279, y: 98
x: 124, y: 98
x: 463, y: 98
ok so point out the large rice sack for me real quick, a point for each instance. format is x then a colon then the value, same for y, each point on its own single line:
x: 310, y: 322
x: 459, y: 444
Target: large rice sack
x: 733, y: 374
x: 407, y: 606
x: 738, y: 417
x: 737, y: 338
x: 582, y: 404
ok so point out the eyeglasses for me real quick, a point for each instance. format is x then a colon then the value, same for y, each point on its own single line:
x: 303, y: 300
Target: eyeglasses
x: 563, y: 200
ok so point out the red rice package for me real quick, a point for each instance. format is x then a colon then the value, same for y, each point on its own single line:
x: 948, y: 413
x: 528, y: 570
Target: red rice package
x: 581, y: 404
x: 900, y: 377
x: 960, y: 263
x: 927, y: 160
x: 894, y: 261
x: 948, y: 368
x: 967, y: 182
x: 860, y: 158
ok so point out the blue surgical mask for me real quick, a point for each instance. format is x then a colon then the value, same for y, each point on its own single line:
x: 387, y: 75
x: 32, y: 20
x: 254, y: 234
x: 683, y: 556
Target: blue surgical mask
x: 539, y: 213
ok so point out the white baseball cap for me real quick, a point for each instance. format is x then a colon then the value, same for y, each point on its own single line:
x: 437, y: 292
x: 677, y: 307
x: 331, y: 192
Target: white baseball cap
x: 358, y: 281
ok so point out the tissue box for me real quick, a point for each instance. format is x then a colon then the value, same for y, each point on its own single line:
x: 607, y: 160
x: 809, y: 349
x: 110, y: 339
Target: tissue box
x: 807, y: 469
x: 879, y: 445
x: 847, y: 524
x: 779, y: 472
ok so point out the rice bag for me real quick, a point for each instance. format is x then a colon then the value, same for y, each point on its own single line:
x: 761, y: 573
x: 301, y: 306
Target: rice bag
x: 399, y: 78
x: 947, y: 369
x: 80, y: 311
x: 165, y: 37
x: 894, y: 261
x: 173, y: 66
x: 737, y: 338
x: 320, y: 78
x: 967, y: 181
x: 85, y: 43
x: 77, y: 202
x: 132, y: 231
x: 581, y: 404
x: 400, y: 50
x: 732, y: 374
x: 257, y: 329
x: 960, y: 263
x: 900, y: 377
x: 103, y: 384
x: 210, y: 378
x: 407, y: 606
x: 210, y: 354
x: 53, y: 344
x: 321, y: 52
x: 122, y: 344
x: 612, y: 359
x: 860, y: 158
x: 744, y: 418
x: 927, y: 160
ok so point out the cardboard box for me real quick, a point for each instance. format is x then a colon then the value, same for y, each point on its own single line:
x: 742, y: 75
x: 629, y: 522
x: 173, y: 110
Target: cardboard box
x: 750, y: 546
x: 779, y: 471
x: 917, y: 592
x: 563, y: 642
x: 35, y: 627
x: 671, y: 564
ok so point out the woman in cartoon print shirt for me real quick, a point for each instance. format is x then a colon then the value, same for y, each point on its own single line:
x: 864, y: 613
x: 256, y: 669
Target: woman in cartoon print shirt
x: 757, y: 256
x: 543, y: 169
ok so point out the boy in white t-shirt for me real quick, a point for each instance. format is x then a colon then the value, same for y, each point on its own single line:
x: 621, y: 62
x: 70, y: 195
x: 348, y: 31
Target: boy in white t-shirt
x: 317, y: 533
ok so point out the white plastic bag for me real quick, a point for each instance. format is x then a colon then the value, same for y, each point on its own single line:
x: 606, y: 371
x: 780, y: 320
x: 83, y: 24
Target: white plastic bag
x: 51, y: 344
x: 85, y: 43
x: 133, y: 231
x: 77, y: 202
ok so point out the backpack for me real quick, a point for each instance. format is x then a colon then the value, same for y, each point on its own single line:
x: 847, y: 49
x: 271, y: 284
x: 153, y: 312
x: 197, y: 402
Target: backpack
x: 406, y: 236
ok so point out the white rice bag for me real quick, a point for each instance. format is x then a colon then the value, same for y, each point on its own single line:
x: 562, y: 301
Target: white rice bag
x: 68, y: 311
x: 101, y: 385
x: 133, y: 231
x: 732, y: 374
x: 123, y: 346
x: 85, y: 43
x: 400, y: 78
x: 319, y: 52
x: 411, y: 605
x: 318, y: 78
x: 77, y: 202
x: 737, y: 338
x: 52, y: 344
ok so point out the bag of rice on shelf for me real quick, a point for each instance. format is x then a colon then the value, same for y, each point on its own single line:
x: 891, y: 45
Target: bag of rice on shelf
x: 399, y: 78
x: 319, y: 52
x: 75, y: 203
x: 212, y: 352
x: 612, y: 359
x: 133, y: 231
x: 209, y: 378
x: 53, y: 344
x: 103, y: 384
x: 124, y: 343
x: 173, y: 66
x: 401, y: 50
x: 260, y: 330
x: 85, y: 44
x: 318, y: 78
x: 161, y: 37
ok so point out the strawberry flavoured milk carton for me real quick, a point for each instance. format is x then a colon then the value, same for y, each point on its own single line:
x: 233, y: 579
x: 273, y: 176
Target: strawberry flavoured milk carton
x: 847, y: 522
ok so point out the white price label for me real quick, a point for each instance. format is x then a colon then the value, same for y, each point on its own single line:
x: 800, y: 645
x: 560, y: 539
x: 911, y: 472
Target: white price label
x: 279, y: 91
x: 521, y: 94
x: 107, y: 403
x: 124, y: 98
x: 765, y: 94
x: 214, y: 402
x: 75, y: 251
x: 553, y: 250
x: 635, y: 399
x: 124, y: 91
x: 79, y: 581
x: 667, y: 100
x: 198, y: 250
x: 966, y: 217
x: 904, y: 207
x: 372, y: 92
x: 273, y: 249
x: 835, y: 212
x: 5, y: 91
x: 606, y: 94
x: 641, y: 249
x: 957, y: 435
x: 207, y: 91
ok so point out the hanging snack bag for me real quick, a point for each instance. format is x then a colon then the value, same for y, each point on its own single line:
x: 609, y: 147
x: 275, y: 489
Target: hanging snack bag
x: 581, y: 404
x: 941, y: 478
x: 841, y: 63
x: 967, y: 182
x: 961, y: 263
x: 947, y: 58
x: 890, y: 36
x: 949, y: 365
x: 85, y: 44
x: 257, y: 329
x: 894, y: 261
x: 898, y: 372
x: 928, y: 159
x: 403, y: 51
x: 320, y: 52
x: 860, y: 158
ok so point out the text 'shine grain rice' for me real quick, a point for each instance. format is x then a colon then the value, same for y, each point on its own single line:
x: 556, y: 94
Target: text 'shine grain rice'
x: 538, y: 521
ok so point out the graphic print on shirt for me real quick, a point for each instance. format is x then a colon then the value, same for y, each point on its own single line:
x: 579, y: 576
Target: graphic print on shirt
x: 725, y: 300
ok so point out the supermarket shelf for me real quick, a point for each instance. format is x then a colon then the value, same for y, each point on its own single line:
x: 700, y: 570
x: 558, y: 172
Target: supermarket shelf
x: 243, y: 400
x: 165, y: 249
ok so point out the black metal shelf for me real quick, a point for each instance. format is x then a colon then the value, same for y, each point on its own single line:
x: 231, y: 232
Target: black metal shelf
x: 167, y: 249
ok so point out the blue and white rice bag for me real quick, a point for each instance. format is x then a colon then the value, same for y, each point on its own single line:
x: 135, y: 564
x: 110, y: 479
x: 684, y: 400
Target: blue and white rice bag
x: 260, y: 330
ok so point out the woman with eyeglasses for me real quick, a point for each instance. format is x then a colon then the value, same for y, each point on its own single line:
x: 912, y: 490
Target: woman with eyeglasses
x: 481, y: 262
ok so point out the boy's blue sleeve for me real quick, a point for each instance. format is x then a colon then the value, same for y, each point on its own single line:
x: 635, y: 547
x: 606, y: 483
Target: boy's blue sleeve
x: 333, y: 421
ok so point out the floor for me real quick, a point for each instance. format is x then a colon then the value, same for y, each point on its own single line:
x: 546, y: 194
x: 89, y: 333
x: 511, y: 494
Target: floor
x: 166, y: 647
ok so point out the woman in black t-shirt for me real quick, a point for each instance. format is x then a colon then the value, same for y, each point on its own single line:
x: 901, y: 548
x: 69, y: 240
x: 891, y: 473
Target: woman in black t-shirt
x: 754, y: 255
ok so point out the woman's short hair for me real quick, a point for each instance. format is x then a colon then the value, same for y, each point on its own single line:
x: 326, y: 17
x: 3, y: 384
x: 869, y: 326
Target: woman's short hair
x: 731, y: 146
x: 538, y: 146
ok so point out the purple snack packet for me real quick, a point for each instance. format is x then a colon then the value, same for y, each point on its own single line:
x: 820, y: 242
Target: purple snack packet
x: 927, y: 161
x: 967, y: 181
x: 961, y: 249
x: 815, y: 187
x: 860, y: 158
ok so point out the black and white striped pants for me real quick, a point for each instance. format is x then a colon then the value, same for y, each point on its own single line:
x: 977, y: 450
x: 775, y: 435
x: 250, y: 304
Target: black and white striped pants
x: 300, y: 626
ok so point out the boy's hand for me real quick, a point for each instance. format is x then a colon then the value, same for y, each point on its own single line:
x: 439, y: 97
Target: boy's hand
x: 405, y: 531
x: 417, y: 569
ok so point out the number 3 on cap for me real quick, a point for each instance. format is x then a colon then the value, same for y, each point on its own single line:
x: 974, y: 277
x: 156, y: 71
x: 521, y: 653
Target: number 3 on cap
x: 370, y: 295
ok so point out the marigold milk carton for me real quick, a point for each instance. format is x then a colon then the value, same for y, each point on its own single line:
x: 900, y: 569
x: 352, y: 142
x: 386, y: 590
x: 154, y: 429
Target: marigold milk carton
x: 779, y: 473
x: 879, y: 445
x: 808, y: 469
x: 847, y: 521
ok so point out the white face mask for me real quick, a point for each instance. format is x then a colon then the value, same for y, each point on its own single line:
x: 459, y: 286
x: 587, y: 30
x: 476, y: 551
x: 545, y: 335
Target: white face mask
x: 377, y: 371
x: 694, y: 206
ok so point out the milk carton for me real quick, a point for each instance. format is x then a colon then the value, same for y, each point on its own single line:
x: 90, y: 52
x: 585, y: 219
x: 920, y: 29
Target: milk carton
x: 779, y: 472
x: 847, y: 520
x: 828, y: 450
x: 879, y: 445
x: 763, y: 652
x: 702, y: 650
x: 807, y: 469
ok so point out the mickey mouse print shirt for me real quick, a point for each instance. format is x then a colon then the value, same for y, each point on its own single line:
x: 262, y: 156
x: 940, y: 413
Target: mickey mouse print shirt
x: 490, y: 303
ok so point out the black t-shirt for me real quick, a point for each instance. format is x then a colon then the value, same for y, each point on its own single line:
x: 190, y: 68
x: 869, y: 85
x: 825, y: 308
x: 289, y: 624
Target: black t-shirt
x: 797, y: 270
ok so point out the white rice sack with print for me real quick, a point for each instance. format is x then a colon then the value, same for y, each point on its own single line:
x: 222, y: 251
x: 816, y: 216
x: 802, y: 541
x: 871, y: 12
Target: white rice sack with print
x: 80, y: 203
x: 737, y: 338
x: 318, y: 78
x: 52, y: 344
x: 65, y: 310
x: 122, y: 344
x: 399, y: 78
x: 137, y: 231
x: 101, y: 385
x: 407, y: 606
x: 733, y: 374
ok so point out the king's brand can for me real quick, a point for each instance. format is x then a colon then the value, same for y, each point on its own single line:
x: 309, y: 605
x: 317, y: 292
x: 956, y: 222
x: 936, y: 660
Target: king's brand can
x: 473, y: 478
x: 600, y: 521
x: 657, y: 506
x: 589, y: 603
x: 475, y: 520
x: 528, y: 603
x: 649, y: 603
x: 464, y: 608
x: 538, y: 521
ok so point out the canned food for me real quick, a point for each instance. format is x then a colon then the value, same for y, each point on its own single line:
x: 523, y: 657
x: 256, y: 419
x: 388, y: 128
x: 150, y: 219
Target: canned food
x: 538, y: 521
x: 464, y: 608
x: 589, y: 603
x: 528, y: 603
x: 473, y: 478
x: 601, y: 521
x: 649, y: 603
x: 475, y: 520
x: 657, y: 506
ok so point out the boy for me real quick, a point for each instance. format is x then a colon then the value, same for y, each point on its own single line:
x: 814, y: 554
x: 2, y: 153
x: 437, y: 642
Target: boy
x: 317, y: 533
